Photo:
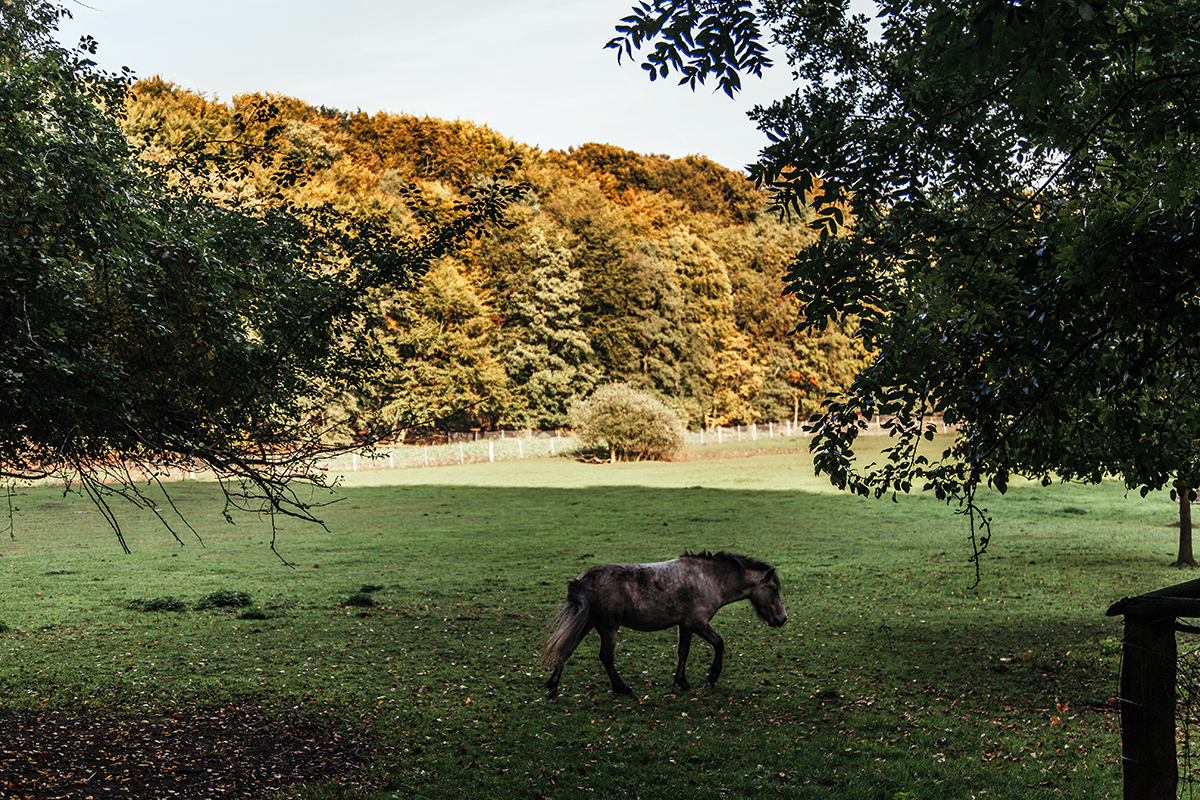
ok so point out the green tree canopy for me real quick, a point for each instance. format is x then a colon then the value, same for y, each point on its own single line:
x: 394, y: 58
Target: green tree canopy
x: 617, y: 266
x: 440, y: 363
x: 147, y: 323
x: 549, y: 356
x: 1026, y: 183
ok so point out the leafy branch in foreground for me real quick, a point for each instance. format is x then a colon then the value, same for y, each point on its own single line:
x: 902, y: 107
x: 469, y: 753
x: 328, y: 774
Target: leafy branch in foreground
x: 1025, y: 181
x: 151, y: 328
x: 719, y: 38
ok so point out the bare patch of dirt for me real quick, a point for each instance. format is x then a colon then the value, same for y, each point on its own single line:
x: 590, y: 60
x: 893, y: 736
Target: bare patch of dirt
x: 234, y: 750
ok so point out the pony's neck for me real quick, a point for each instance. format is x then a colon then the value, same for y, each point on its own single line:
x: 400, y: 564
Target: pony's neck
x: 736, y: 584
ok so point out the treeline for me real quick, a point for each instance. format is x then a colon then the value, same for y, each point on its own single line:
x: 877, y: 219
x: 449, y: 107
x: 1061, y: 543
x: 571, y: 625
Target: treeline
x: 667, y: 274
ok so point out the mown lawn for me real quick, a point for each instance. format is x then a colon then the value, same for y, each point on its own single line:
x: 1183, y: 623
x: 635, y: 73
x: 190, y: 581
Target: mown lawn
x: 892, y: 679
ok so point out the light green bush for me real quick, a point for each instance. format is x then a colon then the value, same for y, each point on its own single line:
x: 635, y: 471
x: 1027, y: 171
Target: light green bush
x: 631, y: 423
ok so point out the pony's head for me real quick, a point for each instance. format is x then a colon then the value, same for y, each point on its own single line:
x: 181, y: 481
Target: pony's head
x: 766, y: 601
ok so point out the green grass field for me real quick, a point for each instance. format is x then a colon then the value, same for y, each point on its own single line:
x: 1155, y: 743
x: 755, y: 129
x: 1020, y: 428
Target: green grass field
x: 892, y: 679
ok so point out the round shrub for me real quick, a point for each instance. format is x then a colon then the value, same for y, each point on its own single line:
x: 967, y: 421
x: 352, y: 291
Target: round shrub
x: 630, y: 423
x: 225, y: 598
x: 359, y: 600
x: 156, y: 604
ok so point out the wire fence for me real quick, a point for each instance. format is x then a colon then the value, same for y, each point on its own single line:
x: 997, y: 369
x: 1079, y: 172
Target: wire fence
x: 1187, y: 715
x: 488, y: 446
x: 444, y: 448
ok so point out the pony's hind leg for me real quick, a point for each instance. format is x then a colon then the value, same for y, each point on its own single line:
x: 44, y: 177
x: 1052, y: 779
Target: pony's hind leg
x: 685, y: 645
x: 574, y: 622
x: 561, y: 661
x: 555, y: 679
x: 608, y: 646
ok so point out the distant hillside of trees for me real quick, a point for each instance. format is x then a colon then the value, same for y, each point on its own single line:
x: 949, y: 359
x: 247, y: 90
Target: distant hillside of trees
x: 667, y: 274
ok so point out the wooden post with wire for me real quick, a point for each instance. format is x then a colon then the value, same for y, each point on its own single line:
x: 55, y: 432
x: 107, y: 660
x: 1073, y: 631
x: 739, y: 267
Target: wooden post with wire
x: 1148, y: 673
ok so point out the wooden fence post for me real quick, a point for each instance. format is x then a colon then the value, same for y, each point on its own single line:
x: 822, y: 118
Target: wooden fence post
x: 1148, y: 675
x: 1148, y: 709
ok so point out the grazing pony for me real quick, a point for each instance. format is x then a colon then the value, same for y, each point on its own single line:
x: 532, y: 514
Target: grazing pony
x: 686, y: 591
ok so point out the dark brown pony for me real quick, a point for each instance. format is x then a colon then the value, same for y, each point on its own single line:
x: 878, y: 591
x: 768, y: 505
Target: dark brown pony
x: 686, y: 591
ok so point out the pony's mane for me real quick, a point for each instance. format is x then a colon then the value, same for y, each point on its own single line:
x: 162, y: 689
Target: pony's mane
x: 741, y: 562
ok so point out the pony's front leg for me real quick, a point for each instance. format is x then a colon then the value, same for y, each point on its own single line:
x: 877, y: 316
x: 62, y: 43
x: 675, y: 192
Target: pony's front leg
x: 608, y: 647
x: 718, y: 644
x: 685, y: 645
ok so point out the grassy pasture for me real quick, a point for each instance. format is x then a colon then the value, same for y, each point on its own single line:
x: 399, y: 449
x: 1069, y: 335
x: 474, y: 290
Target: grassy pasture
x: 892, y: 679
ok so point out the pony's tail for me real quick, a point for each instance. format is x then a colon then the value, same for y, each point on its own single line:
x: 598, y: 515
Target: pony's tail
x: 570, y: 626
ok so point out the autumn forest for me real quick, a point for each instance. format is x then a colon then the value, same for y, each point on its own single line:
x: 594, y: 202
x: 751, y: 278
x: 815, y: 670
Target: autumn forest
x: 668, y: 274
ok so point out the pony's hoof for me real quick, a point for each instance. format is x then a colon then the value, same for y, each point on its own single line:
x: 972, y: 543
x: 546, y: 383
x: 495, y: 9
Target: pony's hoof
x: 622, y: 690
x: 683, y: 686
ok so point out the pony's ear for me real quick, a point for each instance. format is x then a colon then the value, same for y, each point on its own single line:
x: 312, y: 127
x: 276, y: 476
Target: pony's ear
x: 770, y: 575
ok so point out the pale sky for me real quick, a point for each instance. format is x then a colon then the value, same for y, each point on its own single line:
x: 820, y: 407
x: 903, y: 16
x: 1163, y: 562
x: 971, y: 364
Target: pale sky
x: 532, y: 70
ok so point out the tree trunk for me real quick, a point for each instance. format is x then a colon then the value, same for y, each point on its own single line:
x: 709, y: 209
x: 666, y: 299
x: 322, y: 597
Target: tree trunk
x: 1185, y: 559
